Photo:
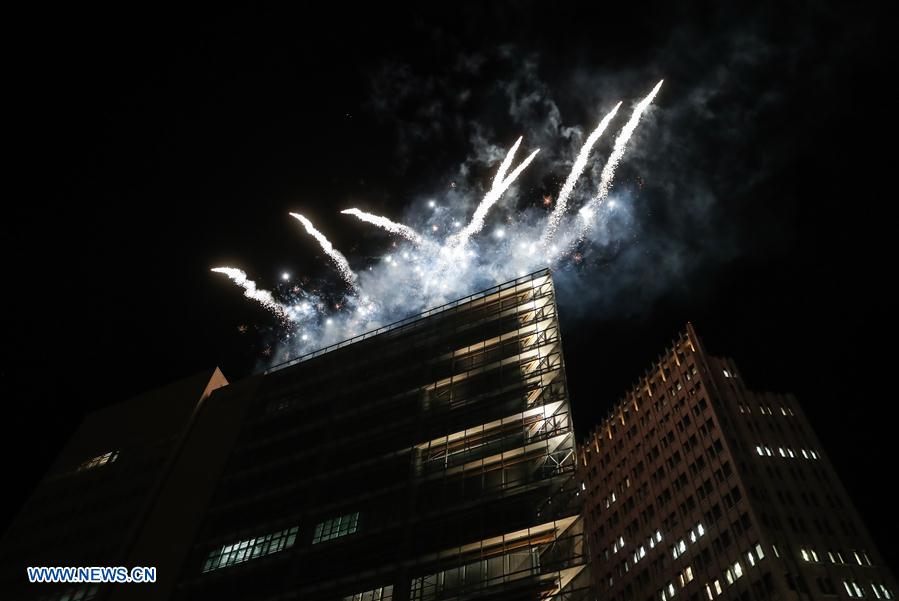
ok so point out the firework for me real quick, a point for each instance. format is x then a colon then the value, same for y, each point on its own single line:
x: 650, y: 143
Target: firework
x: 500, y: 184
x: 576, y: 170
x: 343, y: 266
x: 608, y: 170
x: 263, y: 297
x: 442, y: 265
x: 391, y: 226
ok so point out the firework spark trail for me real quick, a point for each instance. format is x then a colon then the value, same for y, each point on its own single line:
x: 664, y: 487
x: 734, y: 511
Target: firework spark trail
x: 391, y: 226
x: 343, y: 265
x: 263, y: 297
x: 501, y: 183
x: 576, y: 170
x: 608, y: 170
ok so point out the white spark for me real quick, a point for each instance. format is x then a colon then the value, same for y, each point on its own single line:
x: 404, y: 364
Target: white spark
x: 343, y: 265
x: 500, y: 184
x: 263, y: 297
x: 391, y: 226
x: 608, y: 170
x: 576, y: 170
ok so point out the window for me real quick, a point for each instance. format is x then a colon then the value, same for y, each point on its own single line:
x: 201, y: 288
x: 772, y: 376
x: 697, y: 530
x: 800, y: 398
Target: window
x: 250, y: 548
x: 713, y: 589
x: 697, y: 532
x: 853, y: 589
x: 384, y: 593
x: 98, y: 461
x: 734, y: 572
x: 336, y: 527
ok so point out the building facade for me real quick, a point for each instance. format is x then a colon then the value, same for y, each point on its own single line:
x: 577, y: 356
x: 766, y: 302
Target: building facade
x: 431, y: 459
x: 698, y: 488
x: 113, y: 496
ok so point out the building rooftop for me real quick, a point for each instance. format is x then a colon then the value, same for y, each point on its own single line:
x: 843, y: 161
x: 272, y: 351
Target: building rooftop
x: 413, y: 319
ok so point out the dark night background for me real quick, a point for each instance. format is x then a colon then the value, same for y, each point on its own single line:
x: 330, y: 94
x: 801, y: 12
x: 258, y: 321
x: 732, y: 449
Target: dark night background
x: 148, y: 146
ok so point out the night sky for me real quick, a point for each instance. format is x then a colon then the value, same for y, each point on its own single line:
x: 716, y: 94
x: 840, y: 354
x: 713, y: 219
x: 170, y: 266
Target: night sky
x: 147, y: 147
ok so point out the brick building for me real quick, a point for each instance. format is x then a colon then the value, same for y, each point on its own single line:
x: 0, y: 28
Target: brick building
x: 699, y: 488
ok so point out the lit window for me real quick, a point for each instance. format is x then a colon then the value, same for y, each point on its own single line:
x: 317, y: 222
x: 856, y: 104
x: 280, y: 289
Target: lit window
x: 783, y: 410
x: 790, y: 452
x: 804, y: 554
x: 853, y: 589
x: 726, y: 373
x: 760, y: 554
x: 857, y: 558
x: 384, y: 593
x: 336, y: 527
x: 768, y: 452
x: 776, y: 552
x: 814, y: 454
x: 804, y: 454
x: 782, y: 452
x: 866, y: 558
x: 658, y: 536
x: 679, y: 549
x: 760, y: 451
x: 250, y: 548
x: 750, y: 558
x: 98, y: 461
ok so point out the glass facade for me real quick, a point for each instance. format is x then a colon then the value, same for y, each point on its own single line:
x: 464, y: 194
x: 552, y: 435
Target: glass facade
x: 434, y: 459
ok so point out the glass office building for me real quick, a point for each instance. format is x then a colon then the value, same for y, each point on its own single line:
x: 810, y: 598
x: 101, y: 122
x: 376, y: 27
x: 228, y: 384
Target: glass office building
x: 431, y: 459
